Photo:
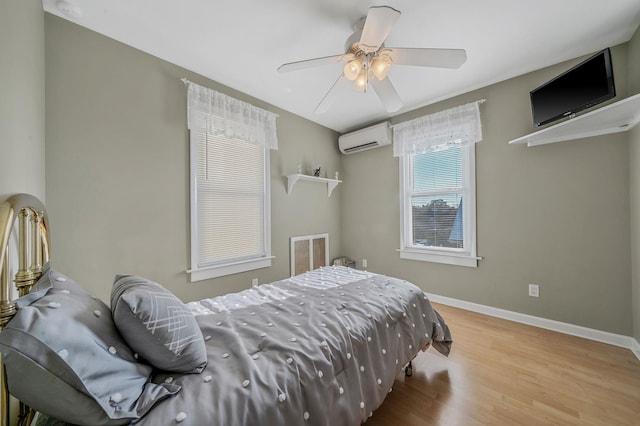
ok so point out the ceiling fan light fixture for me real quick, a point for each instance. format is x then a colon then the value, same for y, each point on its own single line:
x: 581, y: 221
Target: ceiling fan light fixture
x: 380, y: 66
x: 367, y: 60
x: 362, y: 80
x: 353, y: 69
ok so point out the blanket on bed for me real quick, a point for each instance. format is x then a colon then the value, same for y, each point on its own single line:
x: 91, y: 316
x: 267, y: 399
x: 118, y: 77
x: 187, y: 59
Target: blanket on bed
x: 321, y: 348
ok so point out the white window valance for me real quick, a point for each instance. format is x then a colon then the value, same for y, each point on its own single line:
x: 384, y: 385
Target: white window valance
x: 217, y: 113
x: 456, y: 126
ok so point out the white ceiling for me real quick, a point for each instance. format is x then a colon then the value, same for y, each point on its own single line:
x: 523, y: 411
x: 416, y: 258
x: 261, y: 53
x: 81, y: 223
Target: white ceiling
x: 241, y: 43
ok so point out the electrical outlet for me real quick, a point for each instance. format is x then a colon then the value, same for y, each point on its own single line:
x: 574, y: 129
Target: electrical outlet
x: 254, y: 282
x: 364, y: 263
x: 534, y: 290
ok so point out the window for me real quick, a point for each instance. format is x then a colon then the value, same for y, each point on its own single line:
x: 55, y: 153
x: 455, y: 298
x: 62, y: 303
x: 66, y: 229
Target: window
x: 437, y: 225
x: 437, y: 187
x: 230, y: 188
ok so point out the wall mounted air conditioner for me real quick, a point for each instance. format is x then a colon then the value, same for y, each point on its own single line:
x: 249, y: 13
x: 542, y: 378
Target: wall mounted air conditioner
x: 367, y: 138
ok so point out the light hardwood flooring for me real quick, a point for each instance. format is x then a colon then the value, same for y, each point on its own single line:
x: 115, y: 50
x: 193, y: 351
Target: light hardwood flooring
x: 505, y: 373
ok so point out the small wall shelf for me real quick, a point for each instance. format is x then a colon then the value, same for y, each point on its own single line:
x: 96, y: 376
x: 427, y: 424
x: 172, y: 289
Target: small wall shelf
x: 616, y: 117
x: 293, y: 179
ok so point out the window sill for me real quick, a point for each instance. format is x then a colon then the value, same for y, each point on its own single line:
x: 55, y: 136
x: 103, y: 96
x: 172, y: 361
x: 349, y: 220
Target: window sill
x: 229, y: 269
x: 447, y: 258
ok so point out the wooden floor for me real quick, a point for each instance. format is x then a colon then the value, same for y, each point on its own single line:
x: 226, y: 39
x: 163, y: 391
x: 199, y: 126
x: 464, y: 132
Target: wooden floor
x: 504, y: 373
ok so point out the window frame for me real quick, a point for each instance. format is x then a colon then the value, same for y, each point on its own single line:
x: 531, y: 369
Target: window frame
x: 198, y: 273
x: 467, y: 256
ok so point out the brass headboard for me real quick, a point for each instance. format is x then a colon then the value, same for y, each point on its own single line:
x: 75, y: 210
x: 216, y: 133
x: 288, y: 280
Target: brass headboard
x: 28, y: 214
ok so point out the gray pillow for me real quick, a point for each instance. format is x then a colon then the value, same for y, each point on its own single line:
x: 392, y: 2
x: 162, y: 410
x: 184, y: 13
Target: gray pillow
x: 65, y: 357
x: 157, y: 325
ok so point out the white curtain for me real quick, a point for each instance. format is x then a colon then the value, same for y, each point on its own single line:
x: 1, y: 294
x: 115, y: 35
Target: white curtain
x: 218, y: 114
x: 456, y: 126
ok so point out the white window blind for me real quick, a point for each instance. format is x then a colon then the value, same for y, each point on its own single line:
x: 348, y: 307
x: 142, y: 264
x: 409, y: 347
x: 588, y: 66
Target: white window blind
x: 436, y: 194
x: 231, y: 193
x: 230, y: 188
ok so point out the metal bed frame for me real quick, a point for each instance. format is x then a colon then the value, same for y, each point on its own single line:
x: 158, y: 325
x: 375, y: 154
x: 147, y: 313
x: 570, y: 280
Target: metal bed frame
x: 25, y: 215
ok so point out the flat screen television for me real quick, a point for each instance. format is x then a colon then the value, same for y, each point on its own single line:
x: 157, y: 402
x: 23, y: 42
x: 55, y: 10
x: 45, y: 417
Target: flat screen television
x: 583, y: 86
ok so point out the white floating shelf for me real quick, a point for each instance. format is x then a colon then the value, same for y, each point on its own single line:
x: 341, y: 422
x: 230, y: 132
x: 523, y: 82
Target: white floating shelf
x: 293, y: 179
x: 616, y: 117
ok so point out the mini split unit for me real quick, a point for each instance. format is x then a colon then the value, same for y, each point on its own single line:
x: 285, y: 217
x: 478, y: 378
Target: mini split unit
x: 367, y: 138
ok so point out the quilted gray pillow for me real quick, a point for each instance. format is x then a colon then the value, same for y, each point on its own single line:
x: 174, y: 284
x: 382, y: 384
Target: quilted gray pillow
x: 65, y: 358
x: 157, y: 325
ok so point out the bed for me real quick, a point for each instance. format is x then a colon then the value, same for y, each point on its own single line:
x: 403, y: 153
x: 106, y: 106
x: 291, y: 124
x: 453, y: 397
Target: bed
x: 320, y: 348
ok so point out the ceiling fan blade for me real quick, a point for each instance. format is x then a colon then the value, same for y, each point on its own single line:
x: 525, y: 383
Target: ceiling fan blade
x: 329, y: 98
x: 437, y: 58
x: 309, y: 63
x: 387, y: 94
x: 380, y: 20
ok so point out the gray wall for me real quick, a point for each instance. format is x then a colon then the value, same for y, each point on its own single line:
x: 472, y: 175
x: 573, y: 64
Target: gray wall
x: 634, y: 160
x: 634, y: 63
x: 118, y: 168
x: 556, y: 215
x: 634, y: 164
x: 22, y: 122
x: 22, y: 93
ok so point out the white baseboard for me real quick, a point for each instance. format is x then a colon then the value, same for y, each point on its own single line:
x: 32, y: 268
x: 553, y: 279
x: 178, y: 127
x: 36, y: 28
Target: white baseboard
x: 561, y: 327
x: 635, y: 348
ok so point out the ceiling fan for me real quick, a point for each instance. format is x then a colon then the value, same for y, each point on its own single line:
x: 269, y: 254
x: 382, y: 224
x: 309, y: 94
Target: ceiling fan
x: 368, y: 61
